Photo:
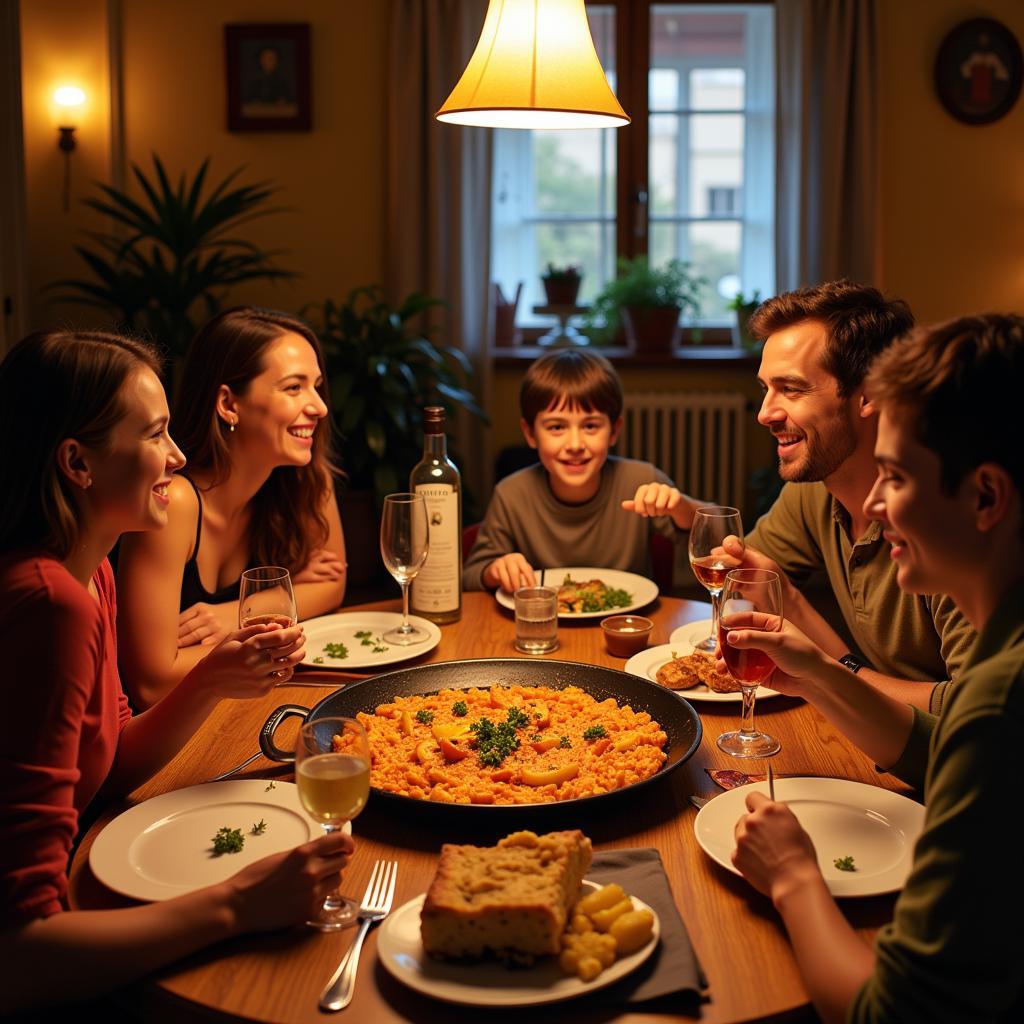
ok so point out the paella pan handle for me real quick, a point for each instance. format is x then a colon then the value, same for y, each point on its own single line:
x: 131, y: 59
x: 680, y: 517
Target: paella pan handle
x: 270, y: 749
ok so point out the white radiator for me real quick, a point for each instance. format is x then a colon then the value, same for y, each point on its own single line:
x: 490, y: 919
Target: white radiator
x: 697, y: 437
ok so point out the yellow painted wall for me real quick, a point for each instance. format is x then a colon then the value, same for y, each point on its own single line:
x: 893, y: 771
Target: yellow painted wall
x: 953, y: 194
x: 175, y: 105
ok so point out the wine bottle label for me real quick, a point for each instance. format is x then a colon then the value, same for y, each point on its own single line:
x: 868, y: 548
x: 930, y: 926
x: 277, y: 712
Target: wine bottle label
x: 436, y: 586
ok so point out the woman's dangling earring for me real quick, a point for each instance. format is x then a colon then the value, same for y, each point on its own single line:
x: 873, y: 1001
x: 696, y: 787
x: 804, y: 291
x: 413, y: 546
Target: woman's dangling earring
x: 231, y: 427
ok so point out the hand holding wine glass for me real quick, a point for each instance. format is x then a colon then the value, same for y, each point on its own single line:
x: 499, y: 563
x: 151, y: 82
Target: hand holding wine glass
x: 265, y: 597
x: 709, y: 560
x: 332, y: 771
x: 751, y: 600
x: 403, y: 546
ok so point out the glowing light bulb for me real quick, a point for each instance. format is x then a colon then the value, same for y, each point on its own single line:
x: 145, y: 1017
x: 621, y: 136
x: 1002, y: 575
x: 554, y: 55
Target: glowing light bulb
x: 69, y: 96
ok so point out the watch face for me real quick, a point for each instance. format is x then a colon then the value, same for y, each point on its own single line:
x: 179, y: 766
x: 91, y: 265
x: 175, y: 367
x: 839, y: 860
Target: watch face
x: 853, y: 663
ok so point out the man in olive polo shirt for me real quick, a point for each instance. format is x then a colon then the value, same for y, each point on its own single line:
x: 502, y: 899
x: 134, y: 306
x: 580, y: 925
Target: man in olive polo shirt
x: 818, y: 345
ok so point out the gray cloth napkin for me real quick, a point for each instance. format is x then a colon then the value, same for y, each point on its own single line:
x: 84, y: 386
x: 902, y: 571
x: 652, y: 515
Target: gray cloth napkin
x: 673, y: 967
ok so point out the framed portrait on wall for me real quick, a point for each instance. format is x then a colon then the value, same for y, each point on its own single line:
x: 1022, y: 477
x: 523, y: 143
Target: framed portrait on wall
x: 268, y: 77
x: 978, y: 71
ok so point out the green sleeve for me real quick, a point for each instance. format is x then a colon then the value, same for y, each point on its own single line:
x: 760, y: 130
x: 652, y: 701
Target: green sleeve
x: 913, y: 761
x: 786, y: 535
x: 956, y: 635
x: 954, y: 950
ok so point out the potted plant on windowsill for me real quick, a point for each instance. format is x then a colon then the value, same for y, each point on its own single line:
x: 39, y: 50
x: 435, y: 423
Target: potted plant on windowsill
x: 561, y: 284
x: 645, y: 304
x: 744, y: 308
x: 382, y: 372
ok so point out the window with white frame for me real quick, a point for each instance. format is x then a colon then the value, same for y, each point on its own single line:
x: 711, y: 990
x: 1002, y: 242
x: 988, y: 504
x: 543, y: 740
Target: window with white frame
x: 701, y: 156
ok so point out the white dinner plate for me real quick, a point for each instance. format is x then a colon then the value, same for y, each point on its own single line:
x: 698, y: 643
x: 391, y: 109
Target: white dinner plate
x: 643, y: 590
x: 164, y: 847
x: 488, y: 983
x: 647, y: 662
x: 875, y: 826
x: 342, y: 628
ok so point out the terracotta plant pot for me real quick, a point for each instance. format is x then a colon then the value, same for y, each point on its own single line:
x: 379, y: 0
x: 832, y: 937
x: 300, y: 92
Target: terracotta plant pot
x: 651, y: 328
x: 561, y: 291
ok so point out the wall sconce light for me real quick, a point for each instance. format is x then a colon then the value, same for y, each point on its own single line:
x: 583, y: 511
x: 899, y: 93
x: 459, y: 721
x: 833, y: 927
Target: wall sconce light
x: 534, y: 66
x: 70, y: 99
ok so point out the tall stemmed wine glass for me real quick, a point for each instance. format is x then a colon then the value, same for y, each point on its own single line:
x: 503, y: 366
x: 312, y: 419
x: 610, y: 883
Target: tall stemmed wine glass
x: 751, y: 599
x: 711, y: 525
x: 404, y: 541
x: 332, y: 771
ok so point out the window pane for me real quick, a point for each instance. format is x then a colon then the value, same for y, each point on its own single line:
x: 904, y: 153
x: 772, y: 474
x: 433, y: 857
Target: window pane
x: 713, y: 249
x: 711, y: 146
x: 589, y: 245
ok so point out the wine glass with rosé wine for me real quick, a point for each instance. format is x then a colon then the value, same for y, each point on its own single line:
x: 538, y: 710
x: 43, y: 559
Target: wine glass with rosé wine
x: 265, y: 596
x: 332, y: 772
x: 751, y: 599
x: 711, y: 525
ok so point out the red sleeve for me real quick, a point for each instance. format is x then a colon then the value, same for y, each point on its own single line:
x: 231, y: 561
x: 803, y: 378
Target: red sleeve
x: 52, y: 638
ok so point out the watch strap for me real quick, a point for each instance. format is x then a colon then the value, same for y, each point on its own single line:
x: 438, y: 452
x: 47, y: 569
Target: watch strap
x: 852, y: 662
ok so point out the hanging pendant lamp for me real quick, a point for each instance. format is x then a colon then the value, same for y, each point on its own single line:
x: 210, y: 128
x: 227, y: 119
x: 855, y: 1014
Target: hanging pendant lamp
x: 534, y: 66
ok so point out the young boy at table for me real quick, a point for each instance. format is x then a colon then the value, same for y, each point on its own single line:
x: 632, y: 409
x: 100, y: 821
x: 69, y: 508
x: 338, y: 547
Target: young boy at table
x: 950, y: 497
x: 579, y: 505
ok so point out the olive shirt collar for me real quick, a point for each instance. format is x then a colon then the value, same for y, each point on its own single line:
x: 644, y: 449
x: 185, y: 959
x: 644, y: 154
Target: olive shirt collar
x: 873, y: 533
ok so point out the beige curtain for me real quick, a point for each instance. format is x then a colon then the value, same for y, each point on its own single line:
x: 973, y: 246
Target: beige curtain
x: 828, y: 139
x: 438, y: 194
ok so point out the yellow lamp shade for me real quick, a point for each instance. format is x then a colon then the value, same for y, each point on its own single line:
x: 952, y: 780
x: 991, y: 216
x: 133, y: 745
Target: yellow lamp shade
x: 534, y: 66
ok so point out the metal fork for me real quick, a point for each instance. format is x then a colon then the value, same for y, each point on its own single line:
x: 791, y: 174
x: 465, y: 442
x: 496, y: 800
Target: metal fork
x: 375, y: 907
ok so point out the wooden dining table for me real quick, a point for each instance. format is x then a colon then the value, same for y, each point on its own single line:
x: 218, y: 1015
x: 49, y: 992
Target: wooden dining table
x: 736, y: 933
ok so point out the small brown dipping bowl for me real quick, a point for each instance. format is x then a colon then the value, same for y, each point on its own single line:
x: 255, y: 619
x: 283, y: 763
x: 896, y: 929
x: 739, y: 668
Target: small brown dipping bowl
x: 626, y: 635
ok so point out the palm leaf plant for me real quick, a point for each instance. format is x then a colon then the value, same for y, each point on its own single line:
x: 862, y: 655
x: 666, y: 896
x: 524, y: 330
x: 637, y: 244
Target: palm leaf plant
x: 382, y: 372
x: 173, y: 254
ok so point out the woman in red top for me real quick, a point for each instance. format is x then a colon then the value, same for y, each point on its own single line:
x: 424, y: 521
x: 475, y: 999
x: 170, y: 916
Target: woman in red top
x: 88, y: 457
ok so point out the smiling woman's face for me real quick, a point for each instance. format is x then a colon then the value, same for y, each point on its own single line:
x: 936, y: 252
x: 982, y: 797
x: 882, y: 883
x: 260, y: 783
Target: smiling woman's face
x: 281, y: 408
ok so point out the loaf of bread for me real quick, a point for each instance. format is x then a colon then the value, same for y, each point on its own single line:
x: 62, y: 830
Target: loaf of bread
x: 511, y: 900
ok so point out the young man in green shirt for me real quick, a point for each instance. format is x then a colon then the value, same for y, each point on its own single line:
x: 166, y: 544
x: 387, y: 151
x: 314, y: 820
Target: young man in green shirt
x: 949, y: 496
x: 819, y: 344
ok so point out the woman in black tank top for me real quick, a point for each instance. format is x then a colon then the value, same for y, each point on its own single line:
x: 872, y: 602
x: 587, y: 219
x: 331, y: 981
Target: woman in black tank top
x: 252, y: 418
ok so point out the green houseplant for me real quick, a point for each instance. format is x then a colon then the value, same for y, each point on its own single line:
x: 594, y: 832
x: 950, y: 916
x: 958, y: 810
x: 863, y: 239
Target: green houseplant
x: 382, y: 372
x: 744, y: 308
x: 173, y: 254
x: 646, y: 303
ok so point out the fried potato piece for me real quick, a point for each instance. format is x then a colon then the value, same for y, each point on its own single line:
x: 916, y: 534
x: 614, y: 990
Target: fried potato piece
x: 698, y: 667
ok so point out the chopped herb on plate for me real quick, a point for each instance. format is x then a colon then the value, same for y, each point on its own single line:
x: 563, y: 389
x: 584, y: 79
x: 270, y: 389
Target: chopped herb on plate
x: 336, y: 650
x: 844, y: 863
x: 228, y: 840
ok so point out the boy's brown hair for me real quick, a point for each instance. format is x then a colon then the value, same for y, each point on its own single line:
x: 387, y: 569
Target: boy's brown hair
x: 570, y: 377
x: 959, y: 385
x: 859, y: 322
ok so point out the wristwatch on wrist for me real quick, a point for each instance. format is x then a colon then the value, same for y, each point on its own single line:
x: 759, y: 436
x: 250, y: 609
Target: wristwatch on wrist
x: 852, y: 662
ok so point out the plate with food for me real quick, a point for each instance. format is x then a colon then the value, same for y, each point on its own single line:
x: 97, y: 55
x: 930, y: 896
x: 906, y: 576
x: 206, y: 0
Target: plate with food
x: 355, y: 640
x: 190, y: 838
x: 863, y: 835
x: 535, y: 933
x: 501, y: 737
x: 588, y: 593
x: 690, y: 673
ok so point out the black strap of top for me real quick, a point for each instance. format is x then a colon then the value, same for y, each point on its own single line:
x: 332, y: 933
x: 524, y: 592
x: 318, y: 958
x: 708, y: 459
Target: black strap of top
x: 199, y: 518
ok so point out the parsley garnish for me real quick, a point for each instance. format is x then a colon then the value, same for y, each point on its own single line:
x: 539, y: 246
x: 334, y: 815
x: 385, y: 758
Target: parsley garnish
x: 844, y: 863
x: 270, y: 786
x: 517, y: 719
x: 595, y: 732
x: 424, y: 716
x: 318, y: 661
x: 494, y: 742
x: 336, y: 650
x: 228, y: 840
x: 564, y: 743
x: 460, y: 709
x: 536, y: 738
x: 259, y: 828
x: 363, y: 634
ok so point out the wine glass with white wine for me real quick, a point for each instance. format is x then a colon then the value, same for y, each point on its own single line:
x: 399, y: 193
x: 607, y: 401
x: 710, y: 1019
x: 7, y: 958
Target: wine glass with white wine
x: 404, y: 541
x: 332, y: 771
x: 711, y: 525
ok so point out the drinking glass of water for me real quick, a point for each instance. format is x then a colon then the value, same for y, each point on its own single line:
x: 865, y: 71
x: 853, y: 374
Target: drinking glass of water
x: 536, y: 620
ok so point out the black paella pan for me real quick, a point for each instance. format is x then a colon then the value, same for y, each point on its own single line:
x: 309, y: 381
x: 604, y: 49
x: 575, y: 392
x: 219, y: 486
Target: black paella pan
x: 676, y: 716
